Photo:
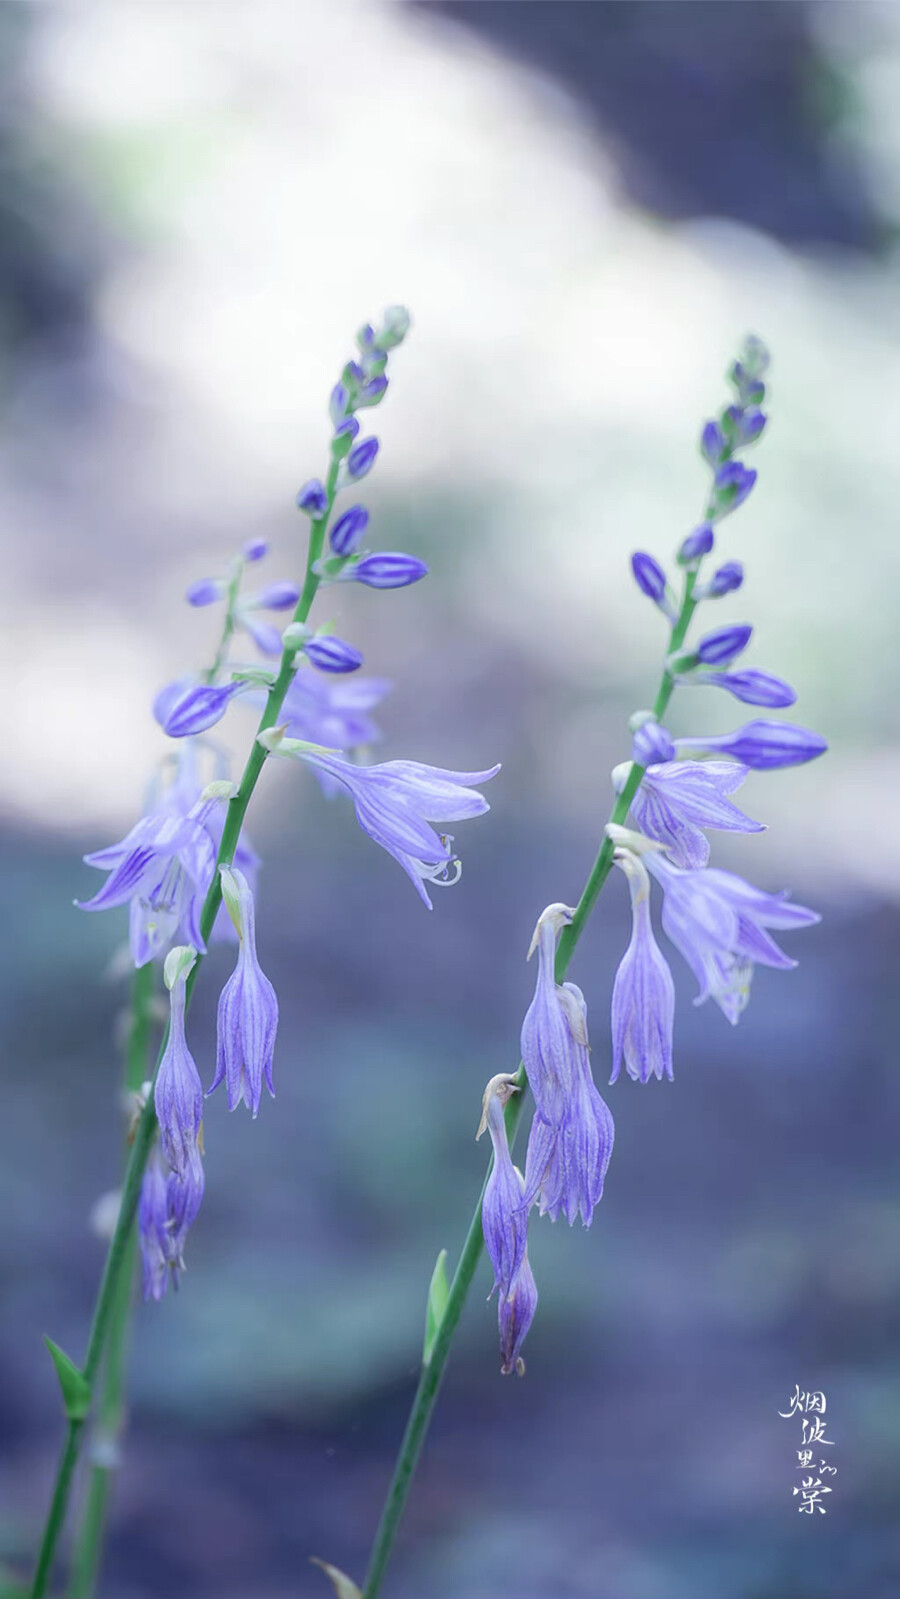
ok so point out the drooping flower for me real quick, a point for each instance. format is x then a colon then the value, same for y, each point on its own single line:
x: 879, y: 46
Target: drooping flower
x: 566, y: 1164
x: 178, y: 1093
x: 515, y: 1313
x: 154, y: 1231
x: 396, y: 802
x: 720, y: 924
x: 678, y: 799
x: 764, y: 746
x: 248, y: 1008
x: 504, y: 1218
x: 572, y: 1133
x: 184, y: 1196
x: 643, y: 1002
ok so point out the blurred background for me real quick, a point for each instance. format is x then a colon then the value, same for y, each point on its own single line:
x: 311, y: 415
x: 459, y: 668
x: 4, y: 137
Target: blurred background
x: 586, y: 207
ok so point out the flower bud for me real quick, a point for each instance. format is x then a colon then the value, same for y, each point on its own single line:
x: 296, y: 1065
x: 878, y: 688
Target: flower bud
x: 696, y: 545
x: 751, y: 686
x: 255, y: 550
x: 339, y: 403
x: 763, y: 746
x: 206, y: 591
x: 731, y: 486
x: 277, y: 597
x: 744, y: 426
x: 373, y: 391
x: 652, y: 744
x: 396, y: 327
x: 728, y: 578
x: 187, y: 707
x: 347, y: 533
x: 361, y: 459
x: 712, y: 443
x: 724, y: 644
x: 651, y: 580
x: 331, y: 654
x: 388, y: 569
x: 312, y: 498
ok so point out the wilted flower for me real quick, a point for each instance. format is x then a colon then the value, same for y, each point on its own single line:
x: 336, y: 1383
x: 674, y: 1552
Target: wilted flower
x: 154, y: 1231
x: 248, y: 1008
x: 515, y: 1313
x: 504, y: 1217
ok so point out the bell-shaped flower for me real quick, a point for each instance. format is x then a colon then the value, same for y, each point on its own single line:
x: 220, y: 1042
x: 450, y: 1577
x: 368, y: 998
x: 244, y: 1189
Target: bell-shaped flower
x: 184, y: 1196
x: 504, y: 1218
x: 154, y: 1232
x: 248, y: 1008
x: 515, y: 1313
x: 178, y: 1092
x: 720, y: 924
x: 764, y: 746
x: 548, y: 1045
x: 678, y: 799
x: 566, y: 1163
x: 396, y: 802
x: 643, y: 1001
x: 163, y: 867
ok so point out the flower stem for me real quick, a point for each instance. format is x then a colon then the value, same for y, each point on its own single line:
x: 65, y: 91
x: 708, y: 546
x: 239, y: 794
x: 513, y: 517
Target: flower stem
x: 433, y: 1368
x: 111, y: 1411
x: 120, y: 1244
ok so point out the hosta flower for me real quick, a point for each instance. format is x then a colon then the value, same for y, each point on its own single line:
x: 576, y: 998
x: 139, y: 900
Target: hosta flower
x: 178, y: 1093
x: 396, y: 802
x: 333, y: 714
x: 572, y: 1133
x: 677, y: 799
x: 720, y: 924
x: 762, y: 745
x: 643, y: 1002
x: 504, y: 1218
x: 154, y: 1231
x: 191, y: 706
x: 248, y: 1008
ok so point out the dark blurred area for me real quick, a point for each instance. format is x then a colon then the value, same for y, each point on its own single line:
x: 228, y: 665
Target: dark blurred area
x: 749, y: 1238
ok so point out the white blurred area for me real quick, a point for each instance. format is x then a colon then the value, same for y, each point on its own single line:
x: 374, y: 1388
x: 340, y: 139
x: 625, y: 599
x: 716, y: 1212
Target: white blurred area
x: 280, y: 172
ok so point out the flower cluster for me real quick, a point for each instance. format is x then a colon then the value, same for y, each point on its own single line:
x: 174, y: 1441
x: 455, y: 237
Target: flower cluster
x: 674, y: 790
x: 173, y: 868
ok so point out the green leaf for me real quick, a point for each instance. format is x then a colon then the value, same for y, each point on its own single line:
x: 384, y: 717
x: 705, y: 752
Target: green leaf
x: 438, y: 1294
x: 76, y: 1390
x: 343, y: 1587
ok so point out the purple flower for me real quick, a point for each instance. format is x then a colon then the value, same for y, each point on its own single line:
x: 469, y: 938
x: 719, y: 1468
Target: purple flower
x: 744, y: 426
x: 651, y: 580
x: 255, y: 550
x: 679, y: 798
x: 751, y: 686
x: 373, y: 391
x: 188, y: 706
x: 332, y: 654
x: 722, y: 645
x: 178, y: 1094
x: 515, y: 1313
x: 712, y: 443
x: 154, y: 1232
x: 761, y: 745
x: 504, y: 1217
x: 719, y: 923
x: 388, y: 569
x: 184, y: 1196
x: 571, y: 1138
x: 643, y: 1002
x: 724, y: 581
x: 333, y: 714
x: 361, y: 459
x: 277, y: 597
x: 248, y: 1008
x: 313, y: 498
x: 162, y: 868
x: 395, y: 803
x: 347, y: 533
x: 206, y: 591
x: 652, y: 744
x: 697, y: 544
x: 731, y: 486
x: 339, y: 403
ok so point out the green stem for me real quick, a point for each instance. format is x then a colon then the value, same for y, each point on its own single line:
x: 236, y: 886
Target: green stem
x: 433, y: 1369
x: 111, y: 1417
x: 145, y: 1132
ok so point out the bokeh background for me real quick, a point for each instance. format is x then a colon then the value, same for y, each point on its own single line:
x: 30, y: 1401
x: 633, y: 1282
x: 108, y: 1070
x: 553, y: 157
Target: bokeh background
x: 586, y: 207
